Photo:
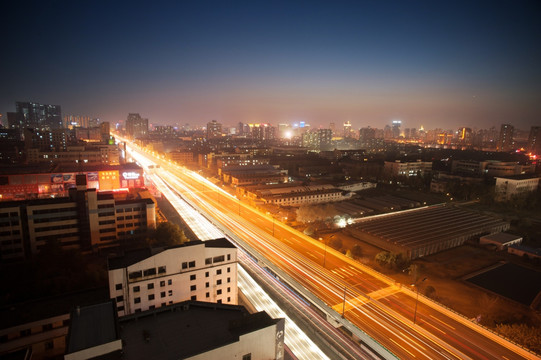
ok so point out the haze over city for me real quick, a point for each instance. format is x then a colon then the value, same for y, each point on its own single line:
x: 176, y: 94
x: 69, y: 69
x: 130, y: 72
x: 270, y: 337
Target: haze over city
x: 434, y: 64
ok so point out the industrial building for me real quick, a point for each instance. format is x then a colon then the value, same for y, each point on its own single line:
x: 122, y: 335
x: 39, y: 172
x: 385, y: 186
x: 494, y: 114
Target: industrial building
x: 421, y: 232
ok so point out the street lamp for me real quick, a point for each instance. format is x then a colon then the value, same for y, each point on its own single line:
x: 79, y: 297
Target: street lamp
x: 417, y: 299
x: 325, y: 254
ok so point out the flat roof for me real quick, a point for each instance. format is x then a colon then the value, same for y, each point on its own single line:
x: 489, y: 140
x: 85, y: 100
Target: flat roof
x: 44, y: 308
x: 186, y: 329
x: 501, y: 238
x: 519, y: 177
x: 134, y: 256
x: 91, y: 326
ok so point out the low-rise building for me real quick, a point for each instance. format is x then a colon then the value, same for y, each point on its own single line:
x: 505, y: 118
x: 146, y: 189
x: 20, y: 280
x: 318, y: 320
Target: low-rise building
x: 189, y: 330
x: 519, y: 185
x: 196, y: 270
x: 500, y: 240
x: 39, y: 327
x: 524, y: 251
x: 411, y: 168
x: 92, y: 155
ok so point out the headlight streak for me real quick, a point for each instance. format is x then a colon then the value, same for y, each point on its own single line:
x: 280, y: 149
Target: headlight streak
x: 351, y: 292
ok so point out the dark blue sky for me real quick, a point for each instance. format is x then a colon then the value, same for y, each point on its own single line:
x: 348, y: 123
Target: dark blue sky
x: 433, y: 63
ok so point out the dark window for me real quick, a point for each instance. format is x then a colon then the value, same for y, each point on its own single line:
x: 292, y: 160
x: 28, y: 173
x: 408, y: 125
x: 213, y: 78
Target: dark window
x: 161, y: 270
x: 25, y: 332
x: 228, y: 269
x: 218, y: 259
x: 191, y: 264
x: 219, y: 272
x: 118, y: 286
x: 150, y: 286
x: 162, y: 283
x: 228, y: 280
x: 207, y: 295
x: 247, y: 356
x: 137, y: 310
x: 151, y: 297
x: 207, y: 284
x: 184, y: 265
x: 219, y: 282
x: 49, y: 345
x: 136, y: 289
x: 207, y: 274
x: 170, y: 293
x: 219, y: 291
x: 149, y: 272
x: 228, y: 299
x: 162, y: 294
x: 228, y: 256
x: 135, y: 275
x: 194, y: 297
x: 120, y: 298
x: 219, y: 301
x: 169, y: 282
x: 152, y: 307
x: 193, y: 288
x: 120, y: 308
x: 208, y: 261
x: 47, y: 327
x: 137, y: 300
x: 192, y: 277
x: 228, y: 289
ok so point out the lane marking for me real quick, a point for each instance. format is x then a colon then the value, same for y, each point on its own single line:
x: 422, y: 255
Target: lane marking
x: 403, y: 348
x: 441, y: 321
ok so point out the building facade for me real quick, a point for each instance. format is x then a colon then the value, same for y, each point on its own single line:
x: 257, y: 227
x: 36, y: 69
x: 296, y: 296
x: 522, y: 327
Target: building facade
x: 407, y: 169
x: 36, y: 116
x: 136, y: 126
x: 202, y: 271
x: 85, y: 220
x: 511, y: 186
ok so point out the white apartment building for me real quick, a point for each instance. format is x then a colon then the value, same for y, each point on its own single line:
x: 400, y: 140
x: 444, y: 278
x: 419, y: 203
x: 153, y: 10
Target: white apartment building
x: 197, y: 270
x: 507, y: 187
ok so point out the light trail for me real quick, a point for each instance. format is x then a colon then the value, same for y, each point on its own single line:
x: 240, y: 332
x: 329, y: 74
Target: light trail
x: 380, y: 319
x: 300, y: 344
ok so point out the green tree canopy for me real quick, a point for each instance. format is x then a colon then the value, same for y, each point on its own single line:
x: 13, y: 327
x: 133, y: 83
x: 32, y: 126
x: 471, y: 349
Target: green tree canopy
x: 167, y: 234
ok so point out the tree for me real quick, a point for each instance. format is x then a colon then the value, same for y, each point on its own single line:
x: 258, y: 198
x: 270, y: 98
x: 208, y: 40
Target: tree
x: 167, y: 234
x: 523, y: 334
x: 357, y: 251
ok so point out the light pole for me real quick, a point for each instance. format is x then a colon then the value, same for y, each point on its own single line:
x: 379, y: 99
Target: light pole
x: 325, y: 254
x: 416, y: 300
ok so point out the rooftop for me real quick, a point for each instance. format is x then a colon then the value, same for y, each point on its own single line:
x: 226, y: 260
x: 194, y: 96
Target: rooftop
x: 501, y: 238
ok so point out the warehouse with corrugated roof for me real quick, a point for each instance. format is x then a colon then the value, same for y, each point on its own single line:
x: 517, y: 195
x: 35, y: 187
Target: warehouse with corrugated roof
x: 421, y: 232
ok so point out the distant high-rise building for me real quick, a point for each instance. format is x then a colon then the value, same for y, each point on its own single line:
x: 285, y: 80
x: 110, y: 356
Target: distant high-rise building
x: 506, y: 142
x: 534, y: 140
x: 262, y: 132
x: 325, y: 139
x: 465, y: 135
x: 35, y: 116
x: 348, y: 132
x: 333, y: 128
x: 367, y: 134
x: 136, y: 126
x: 396, y: 128
x: 214, y: 130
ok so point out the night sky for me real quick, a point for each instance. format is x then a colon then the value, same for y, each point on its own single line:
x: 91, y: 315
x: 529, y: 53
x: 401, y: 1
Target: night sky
x: 435, y: 63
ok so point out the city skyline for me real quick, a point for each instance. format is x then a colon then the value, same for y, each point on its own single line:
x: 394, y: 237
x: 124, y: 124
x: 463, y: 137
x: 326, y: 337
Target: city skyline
x: 435, y: 65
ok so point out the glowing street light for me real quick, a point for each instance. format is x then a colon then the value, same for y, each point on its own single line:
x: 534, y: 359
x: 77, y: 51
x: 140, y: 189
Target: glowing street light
x: 416, y: 284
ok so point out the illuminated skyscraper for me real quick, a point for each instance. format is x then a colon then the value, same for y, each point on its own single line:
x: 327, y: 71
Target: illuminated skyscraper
x: 214, y: 130
x: 534, y: 140
x: 136, y: 126
x: 348, y: 132
x: 506, y: 142
x: 396, y: 128
x: 36, y: 116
